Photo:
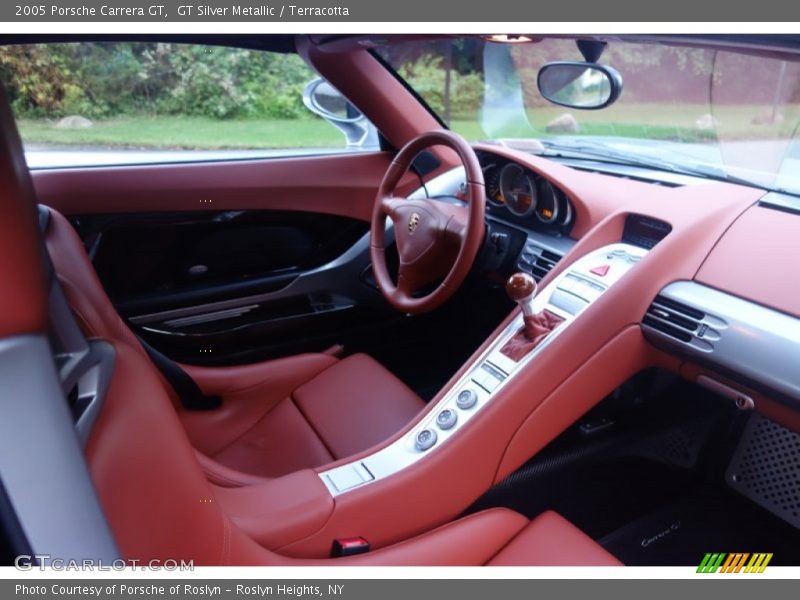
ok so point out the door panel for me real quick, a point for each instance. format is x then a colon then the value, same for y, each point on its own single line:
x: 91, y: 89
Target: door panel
x: 157, y: 262
x: 275, y: 261
x: 223, y: 287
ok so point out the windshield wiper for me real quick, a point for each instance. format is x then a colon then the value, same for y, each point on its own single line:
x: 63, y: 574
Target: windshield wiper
x: 609, y: 154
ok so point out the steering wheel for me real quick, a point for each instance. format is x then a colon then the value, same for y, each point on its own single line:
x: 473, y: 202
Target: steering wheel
x: 435, y: 239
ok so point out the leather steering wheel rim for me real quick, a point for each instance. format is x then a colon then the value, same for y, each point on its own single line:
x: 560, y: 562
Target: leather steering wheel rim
x: 427, y: 232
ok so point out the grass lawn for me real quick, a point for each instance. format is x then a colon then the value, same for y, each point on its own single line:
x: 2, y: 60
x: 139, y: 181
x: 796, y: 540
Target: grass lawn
x: 188, y: 133
x: 650, y: 121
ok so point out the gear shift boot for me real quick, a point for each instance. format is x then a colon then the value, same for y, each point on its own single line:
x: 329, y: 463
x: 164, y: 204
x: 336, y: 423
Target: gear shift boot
x: 536, y: 328
x: 521, y: 288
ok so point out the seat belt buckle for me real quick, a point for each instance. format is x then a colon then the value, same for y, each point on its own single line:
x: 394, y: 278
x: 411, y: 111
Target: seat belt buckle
x: 349, y: 547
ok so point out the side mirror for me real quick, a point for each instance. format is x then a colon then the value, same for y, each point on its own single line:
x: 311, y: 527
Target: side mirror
x: 589, y: 86
x: 322, y: 99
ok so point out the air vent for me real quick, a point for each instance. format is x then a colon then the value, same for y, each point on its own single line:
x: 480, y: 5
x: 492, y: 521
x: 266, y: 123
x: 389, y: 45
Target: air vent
x: 537, y: 261
x: 683, y: 323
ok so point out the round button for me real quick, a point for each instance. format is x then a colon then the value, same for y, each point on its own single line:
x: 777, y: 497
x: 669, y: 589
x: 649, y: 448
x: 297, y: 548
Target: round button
x: 634, y: 259
x: 618, y: 252
x: 447, y: 418
x: 425, y: 439
x: 466, y: 399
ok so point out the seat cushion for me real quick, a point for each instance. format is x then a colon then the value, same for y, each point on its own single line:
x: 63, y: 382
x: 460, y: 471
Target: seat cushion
x: 280, y: 442
x: 495, y: 537
x: 344, y: 409
x: 550, y: 540
x: 356, y: 404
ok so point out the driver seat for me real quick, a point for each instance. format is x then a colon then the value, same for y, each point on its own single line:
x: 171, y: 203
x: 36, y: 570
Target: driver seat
x: 276, y: 416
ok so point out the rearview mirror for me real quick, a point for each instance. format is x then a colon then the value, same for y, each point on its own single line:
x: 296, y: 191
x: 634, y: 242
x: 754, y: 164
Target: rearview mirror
x: 589, y: 86
x: 321, y: 98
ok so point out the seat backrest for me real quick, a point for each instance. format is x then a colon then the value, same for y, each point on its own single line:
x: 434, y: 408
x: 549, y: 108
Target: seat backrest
x: 90, y: 304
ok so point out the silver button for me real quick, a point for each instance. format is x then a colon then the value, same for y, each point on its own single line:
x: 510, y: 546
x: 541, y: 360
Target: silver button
x: 466, y: 399
x: 425, y: 439
x: 568, y: 302
x: 447, y: 418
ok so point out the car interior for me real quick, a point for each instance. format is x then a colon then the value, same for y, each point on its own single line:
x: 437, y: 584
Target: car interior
x: 439, y: 352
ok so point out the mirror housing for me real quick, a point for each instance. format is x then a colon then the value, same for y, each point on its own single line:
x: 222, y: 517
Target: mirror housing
x: 587, y: 86
x: 324, y: 100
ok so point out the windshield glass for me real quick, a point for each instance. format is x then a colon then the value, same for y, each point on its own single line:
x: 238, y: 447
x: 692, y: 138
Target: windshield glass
x: 721, y: 113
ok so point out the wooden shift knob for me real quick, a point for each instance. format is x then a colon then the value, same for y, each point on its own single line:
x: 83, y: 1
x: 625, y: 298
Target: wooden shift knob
x: 521, y: 286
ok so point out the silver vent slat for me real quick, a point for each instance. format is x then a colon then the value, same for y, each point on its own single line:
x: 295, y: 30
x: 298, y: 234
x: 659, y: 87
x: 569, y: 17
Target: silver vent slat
x: 758, y: 343
x: 683, y: 323
x: 536, y: 260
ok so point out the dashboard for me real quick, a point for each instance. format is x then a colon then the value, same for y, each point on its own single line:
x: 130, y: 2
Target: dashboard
x: 518, y: 195
x: 713, y: 300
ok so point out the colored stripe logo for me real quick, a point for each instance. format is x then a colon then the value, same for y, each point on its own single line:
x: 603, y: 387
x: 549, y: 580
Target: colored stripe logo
x: 738, y: 562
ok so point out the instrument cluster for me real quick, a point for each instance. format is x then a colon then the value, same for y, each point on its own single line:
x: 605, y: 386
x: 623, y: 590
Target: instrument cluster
x: 531, y: 199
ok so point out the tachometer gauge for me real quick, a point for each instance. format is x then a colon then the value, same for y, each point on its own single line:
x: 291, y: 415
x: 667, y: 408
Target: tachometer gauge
x: 491, y: 175
x: 518, y: 190
x: 547, y: 207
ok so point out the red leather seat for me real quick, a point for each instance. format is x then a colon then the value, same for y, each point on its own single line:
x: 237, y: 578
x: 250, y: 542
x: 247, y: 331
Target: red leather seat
x: 499, y: 537
x: 153, y: 496
x: 277, y: 416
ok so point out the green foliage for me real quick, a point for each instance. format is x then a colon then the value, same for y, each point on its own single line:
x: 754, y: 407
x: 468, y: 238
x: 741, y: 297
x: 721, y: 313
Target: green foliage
x: 427, y: 75
x: 123, y: 79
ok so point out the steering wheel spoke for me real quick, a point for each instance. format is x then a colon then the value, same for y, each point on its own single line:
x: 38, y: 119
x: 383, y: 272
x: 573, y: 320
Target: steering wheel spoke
x: 390, y: 206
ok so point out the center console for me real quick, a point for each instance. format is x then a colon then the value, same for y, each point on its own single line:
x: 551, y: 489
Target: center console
x: 566, y: 297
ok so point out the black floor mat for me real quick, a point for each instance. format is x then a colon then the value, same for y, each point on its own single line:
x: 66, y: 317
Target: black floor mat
x: 708, y: 519
x: 652, y: 489
x: 598, y: 498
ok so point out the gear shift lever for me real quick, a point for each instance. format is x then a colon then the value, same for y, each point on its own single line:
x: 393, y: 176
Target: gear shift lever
x: 521, y: 288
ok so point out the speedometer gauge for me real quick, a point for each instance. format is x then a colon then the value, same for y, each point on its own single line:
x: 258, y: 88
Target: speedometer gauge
x: 518, y: 190
x: 547, y: 207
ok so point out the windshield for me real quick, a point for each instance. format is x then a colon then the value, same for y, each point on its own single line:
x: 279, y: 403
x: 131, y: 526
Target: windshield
x: 721, y: 113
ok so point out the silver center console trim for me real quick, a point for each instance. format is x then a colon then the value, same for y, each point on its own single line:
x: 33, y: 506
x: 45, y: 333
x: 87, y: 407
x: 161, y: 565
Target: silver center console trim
x: 568, y: 295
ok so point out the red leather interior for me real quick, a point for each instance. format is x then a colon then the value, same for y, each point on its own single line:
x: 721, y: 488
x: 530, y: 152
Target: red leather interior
x: 356, y: 404
x: 160, y: 505
x: 757, y: 259
x: 343, y: 184
x: 556, y: 388
x: 601, y: 349
x: 550, y: 540
x: 277, y: 512
x: 156, y: 498
x: 275, y: 418
x: 23, y: 307
x: 281, y: 442
x: 531, y: 334
x: 295, y: 413
x: 250, y: 392
x: 85, y: 294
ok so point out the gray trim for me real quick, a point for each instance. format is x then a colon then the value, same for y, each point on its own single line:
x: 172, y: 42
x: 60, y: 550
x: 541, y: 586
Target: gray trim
x: 41, y: 457
x: 92, y: 386
x: 758, y: 343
